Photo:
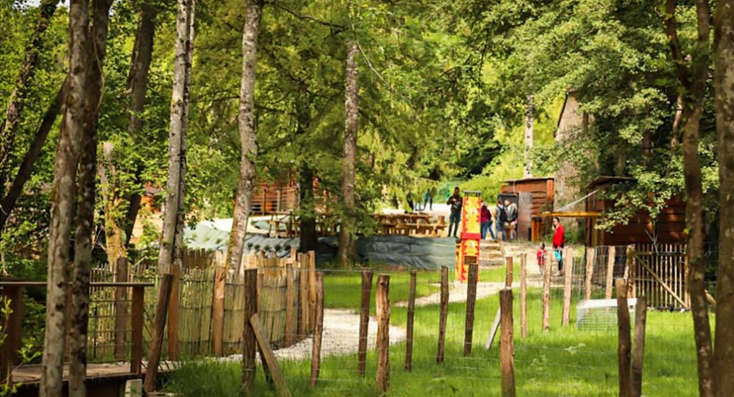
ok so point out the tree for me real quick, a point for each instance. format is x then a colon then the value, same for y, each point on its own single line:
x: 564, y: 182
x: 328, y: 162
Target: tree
x: 346, y: 255
x: 67, y: 155
x: 248, y: 133
x: 724, y: 99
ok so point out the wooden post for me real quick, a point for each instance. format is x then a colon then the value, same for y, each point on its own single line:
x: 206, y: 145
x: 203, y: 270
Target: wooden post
x: 523, y: 296
x: 136, y: 352
x: 568, y: 273
x: 248, y: 333
x: 611, y: 257
x: 303, y: 294
x: 318, y: 329
x: 311, y: 287
x: 220, y: 275
x: 291, y: 307
x: 120, y: 309
x: 156, y: 340
x: 507, y: 347
x: 493, y: 330
x: 546, y: 296
x: 444, y: 313
x: 173, y: 315
x: 268, y: 358
x: 508, y: 276
x: 471, y: 299
x: 630, y: 256
x: 364, y: 321
x: 382, y: 306
x: 11, y: 331
x: 589, y: 272
x: 409, y: 330
x: 623, y: 347
x: 638, y: 348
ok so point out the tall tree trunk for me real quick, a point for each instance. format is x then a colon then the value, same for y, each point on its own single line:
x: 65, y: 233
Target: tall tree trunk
x: 137, y: 88
x: 26, y: 166
x: 529, y: 132
x: 346, y: 253
x: 114, y: 238
x: 248, y: 133
x: 64, y: 194
x: 724, y: 98
x: 87, y: 191
x: 10, y: 125
x: 308, y: 237
x: 176, y: 152
x: 694, y: 83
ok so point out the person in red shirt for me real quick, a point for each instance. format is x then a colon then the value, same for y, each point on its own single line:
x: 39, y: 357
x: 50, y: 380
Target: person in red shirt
x: 559, y: 240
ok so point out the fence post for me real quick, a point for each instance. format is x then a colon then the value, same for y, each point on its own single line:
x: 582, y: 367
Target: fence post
x: 382, y: 306
x: 508, y: 276
x: 409, y: 330
x: 589, y: 272
x: 156, y: 340
x: 218, y: 310
x: 138, y: 308
x: 303, y: 294
x: 471, y: 299
x: 173, y: 312
x: 568, y: 273
x: 546, y: 295
x: 523, y: 296
x: 444, y: 313
x: 318, y: 328
x: 291, y: 307
x: 11, y: 331
x: 611, y: 257
x: 638, y: 351
x: 623, y: 348
x: 249, y: 344
x: 311, y: 286
x: 120, y: 309
x: 364, y: 321
x: 629, y: 256
x: 507, y: 347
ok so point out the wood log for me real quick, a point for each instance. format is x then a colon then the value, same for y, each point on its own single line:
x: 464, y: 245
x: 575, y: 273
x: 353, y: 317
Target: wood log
x: 156, y: 341
x: 136, y: 351
x: 507, y: 348
x: 508, y: 276
x: 624, y: 342
x: 173, y: 312
x: 318, y: 329
x: 311, y: 287
x: 121, y: 308
x: 268, y: 357
x: 12, y: 327
x: 523, y: 296
x: 568, y: 273
x: 471, y: 299
x: 638, y: 348
x: 611, y: 257
x: 409, y: 328
x: 382, y: 306
x: 444, y: 314
x: 364, y: 320
x: 590, y: 252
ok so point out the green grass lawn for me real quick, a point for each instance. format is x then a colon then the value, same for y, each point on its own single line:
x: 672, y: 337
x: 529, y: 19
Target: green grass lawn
x: 562, y: 362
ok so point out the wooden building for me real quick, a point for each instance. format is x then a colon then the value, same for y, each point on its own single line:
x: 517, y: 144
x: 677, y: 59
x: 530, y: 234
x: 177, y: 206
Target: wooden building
x: 534, y: 196
x: 668, y: 228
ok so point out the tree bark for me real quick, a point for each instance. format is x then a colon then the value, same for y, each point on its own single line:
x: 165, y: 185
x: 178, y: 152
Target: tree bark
x: 87, y: 191
x: 529, y: 132
x: 26, y: 166
x: 724, y: 99
x: 64, y: 193
x: 694, y: 83
x: 307, y: 216
x: 248, y: 133
x: 137, y: 88
x: 16, y: 104
x: 346, y: 255
x: 172, y: 218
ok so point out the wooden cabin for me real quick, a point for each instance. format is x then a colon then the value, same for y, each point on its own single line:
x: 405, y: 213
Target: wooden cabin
x: 534, y: 196
x: 668, y: 228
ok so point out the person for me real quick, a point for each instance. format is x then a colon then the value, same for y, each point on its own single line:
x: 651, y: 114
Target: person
x: 541, y: 259
x: 455, y: 203
x: 511, y: 209
x: 486, y: 220
x: 500, y: 220
x: 559, y: 240
x: 428, y: 198
x: 409, y: 199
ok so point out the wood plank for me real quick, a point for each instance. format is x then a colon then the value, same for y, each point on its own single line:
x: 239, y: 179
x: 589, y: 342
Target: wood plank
x: 12, y: 328
x: 660, y: 281
x: 136, y: 351
x: 364, y: 320
x: 303, y: 295
x: 382, y: 306
x: 318, y: 329
x: 268, y: 357
x: 493, y: 330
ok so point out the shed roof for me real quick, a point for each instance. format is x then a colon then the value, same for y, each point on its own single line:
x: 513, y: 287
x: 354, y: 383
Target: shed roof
x: 542, y: 178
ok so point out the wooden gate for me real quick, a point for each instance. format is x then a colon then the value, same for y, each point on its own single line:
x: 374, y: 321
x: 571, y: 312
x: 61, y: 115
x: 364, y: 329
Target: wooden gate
x: 660, y: 274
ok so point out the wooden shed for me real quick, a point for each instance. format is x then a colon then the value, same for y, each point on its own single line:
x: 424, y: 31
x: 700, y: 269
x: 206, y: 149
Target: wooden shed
x: 668, y: 228
x: 535, y: 196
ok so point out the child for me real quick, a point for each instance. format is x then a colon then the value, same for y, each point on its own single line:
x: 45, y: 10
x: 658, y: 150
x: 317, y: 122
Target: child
x: 541, y: 258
